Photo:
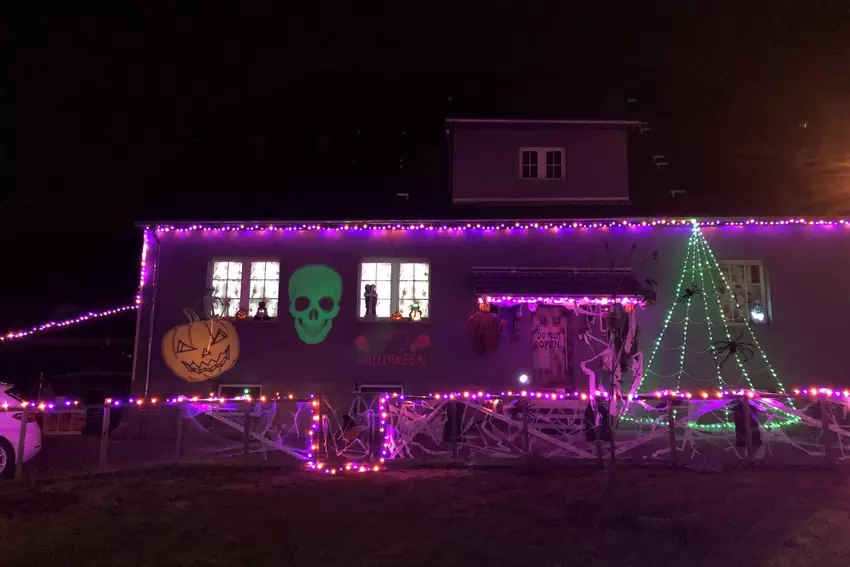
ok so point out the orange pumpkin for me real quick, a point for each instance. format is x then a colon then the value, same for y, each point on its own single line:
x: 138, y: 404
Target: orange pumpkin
x: 201, y: 350
x: 397, y: 316
x: 484, y: 306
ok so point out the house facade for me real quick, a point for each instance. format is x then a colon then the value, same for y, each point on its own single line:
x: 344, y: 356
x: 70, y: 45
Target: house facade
x: 447, y: 305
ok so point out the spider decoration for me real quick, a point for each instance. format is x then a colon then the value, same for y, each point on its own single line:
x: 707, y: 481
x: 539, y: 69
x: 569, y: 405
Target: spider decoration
x: 690, y: 293
x: 731, y: 348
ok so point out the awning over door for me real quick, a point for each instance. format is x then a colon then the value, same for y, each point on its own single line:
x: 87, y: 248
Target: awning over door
x: 555, y: 282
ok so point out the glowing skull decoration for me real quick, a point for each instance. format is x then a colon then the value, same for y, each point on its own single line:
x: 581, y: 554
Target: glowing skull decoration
x: 314, y: 293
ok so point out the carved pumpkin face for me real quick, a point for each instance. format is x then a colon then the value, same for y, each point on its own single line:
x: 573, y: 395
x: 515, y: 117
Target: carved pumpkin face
x: 201, y: 350
x: 396, y: 316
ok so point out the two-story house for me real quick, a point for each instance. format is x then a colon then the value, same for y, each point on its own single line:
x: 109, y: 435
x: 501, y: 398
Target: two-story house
x: 496, y: 301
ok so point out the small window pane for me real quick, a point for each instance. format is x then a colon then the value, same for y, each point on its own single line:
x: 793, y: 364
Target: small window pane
x: 368, y: 271
x: 405, y: 271
x: 421, y: 272
x: 264, y: 286
x: 383, y: 309
x: 226, y: 288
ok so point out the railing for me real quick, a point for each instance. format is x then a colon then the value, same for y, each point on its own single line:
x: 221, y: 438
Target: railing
x: 334, y: 433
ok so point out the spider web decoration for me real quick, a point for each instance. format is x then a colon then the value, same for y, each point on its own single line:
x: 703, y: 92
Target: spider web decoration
x: 697, y: 348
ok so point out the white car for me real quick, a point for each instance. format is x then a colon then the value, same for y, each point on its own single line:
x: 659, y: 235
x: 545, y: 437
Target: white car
x: 11, y: 414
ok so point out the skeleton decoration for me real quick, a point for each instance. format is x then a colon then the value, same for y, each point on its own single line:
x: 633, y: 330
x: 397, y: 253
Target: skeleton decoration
x: 314, y: 294
x: 370, y: 297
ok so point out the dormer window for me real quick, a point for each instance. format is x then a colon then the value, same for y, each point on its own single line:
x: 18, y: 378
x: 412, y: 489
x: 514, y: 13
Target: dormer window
x: 542, y: 163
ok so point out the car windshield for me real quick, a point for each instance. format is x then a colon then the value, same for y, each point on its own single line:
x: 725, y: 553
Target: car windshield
x: 13, y: 393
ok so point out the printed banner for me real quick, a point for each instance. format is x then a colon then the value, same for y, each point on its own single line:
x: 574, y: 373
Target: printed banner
x: 549, y: 345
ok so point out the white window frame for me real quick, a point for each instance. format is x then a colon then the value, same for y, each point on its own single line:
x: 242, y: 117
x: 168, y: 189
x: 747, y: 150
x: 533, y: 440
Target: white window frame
x: 246, y: 283
x: 725, y: 263
x: 395, y: 284
x: 541, y: 163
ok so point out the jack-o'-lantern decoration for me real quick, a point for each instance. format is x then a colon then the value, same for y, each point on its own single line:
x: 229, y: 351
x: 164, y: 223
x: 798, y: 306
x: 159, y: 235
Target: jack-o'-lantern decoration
x: 485, y: 332
x: 201, y: 350
x: 396, y: 316
x: 241, y: 314
x: 415, y: 312
x: 484, y: 306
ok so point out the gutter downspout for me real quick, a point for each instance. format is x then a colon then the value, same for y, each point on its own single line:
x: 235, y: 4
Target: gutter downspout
x: 139, y: 305
x: 153, y: 313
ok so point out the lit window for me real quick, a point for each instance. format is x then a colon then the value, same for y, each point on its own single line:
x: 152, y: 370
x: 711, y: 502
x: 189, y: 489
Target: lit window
x: 743, y: 295
x: 399, y: 286
x: 231, y: 291
x: 553, y: 162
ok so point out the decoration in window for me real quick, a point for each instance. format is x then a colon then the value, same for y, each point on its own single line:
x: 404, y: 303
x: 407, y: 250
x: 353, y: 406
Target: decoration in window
x: 370, y: 297
x: 415, y: 312
x: 314, y: 295
x: 742, y: 298
x: 391, y: 287
x: 201, y: 350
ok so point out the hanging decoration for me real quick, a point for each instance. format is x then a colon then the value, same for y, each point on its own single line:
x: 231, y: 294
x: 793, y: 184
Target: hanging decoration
x: 314, y: 295
x: 485, y: 330
x: 200, y: 350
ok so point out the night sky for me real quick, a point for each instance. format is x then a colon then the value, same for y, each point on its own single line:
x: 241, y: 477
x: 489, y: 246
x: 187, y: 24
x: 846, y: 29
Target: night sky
x: 156, y: 111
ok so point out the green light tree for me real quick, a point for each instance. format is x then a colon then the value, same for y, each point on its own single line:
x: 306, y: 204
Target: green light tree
x: 696, y: 335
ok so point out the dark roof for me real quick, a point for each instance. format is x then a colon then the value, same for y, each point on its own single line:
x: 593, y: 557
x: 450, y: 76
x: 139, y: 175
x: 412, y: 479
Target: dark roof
x: 563, y: 282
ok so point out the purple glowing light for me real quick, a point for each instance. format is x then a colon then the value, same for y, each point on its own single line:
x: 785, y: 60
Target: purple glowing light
x: 483, y: 226
x: 560, y: 300
x: 14, y: 335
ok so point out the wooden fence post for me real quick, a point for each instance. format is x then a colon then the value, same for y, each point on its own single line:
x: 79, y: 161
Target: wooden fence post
x: 825, y: 414
x: 671, y: 423
x: 179, y: 441
x: 748, y: 427
x: 22, y: 438
x: 246, y: 431
x: 104, y: 437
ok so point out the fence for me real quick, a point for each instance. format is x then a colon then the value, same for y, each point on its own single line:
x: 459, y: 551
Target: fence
x: 372, y: 431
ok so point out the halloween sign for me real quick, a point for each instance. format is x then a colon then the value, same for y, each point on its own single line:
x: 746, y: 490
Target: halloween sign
x: 201, y: 350
x: 314, y: 294
x: 548, y: 344
x: 392, y: 349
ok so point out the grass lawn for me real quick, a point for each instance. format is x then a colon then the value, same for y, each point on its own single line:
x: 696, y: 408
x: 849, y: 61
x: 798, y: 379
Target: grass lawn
x: 444, y: 518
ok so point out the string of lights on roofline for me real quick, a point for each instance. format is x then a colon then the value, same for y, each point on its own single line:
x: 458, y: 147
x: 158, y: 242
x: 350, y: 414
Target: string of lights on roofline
x: 487, y: 225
